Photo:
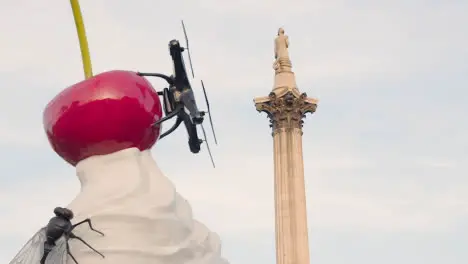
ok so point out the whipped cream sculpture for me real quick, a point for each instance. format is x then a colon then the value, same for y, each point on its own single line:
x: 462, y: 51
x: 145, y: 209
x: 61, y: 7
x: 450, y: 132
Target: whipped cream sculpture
x: 102, y: 126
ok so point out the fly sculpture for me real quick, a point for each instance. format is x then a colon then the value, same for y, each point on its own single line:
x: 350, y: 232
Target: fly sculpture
x: 50, y: 244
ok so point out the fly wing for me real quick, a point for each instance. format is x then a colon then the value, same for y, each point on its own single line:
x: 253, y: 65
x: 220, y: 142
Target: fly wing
x: 32, y: 251
x: 58, y: 255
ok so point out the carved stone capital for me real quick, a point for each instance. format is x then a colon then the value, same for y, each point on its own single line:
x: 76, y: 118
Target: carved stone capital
x: 286, y: 112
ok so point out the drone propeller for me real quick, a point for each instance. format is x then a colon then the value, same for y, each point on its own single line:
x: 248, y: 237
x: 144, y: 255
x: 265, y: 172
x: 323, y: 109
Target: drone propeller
x: 209, y: 112
x: 188, y: 49
x: 207, y: 146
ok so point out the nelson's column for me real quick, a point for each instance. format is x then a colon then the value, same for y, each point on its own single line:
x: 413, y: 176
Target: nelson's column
x: 286, y: 107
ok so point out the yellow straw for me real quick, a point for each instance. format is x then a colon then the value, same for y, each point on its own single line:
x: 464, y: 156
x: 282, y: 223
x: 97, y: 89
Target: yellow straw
x: 88, y: 71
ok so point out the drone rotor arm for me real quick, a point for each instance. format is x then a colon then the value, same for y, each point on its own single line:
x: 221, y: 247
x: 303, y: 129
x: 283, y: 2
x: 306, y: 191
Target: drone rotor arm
x: 208, y: 146
x: 188, y: 49
x: 209, y: 112
x: 190, y: 61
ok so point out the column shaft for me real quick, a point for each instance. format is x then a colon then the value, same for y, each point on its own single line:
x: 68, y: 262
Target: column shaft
x: 290, y: 205
x: 300, y: 205
x: 284, y: 247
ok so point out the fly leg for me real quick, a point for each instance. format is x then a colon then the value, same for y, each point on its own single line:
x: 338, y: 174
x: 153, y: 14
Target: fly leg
x: 88, y: 221
x: 68, y: 249
x: 47, y: 248
x: 84, y: 242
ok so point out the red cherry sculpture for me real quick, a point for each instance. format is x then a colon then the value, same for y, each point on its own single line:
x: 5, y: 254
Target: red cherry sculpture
x: 109, y: 112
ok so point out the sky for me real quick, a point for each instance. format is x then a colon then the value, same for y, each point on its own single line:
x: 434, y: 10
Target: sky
x: 385, y: 154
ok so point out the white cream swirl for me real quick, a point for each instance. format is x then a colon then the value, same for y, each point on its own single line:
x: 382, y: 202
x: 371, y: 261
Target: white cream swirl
x: 144, y: 219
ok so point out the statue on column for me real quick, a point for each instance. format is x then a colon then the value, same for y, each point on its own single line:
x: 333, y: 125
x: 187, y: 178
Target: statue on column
x: 281, y: 51
x: 281, y: 45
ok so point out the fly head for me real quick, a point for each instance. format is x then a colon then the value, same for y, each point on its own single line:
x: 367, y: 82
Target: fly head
x: 63, y: 212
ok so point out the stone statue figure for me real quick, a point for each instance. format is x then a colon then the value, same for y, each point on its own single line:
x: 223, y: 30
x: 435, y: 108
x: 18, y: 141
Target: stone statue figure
x: 281, y: 51
x: 281, y: 45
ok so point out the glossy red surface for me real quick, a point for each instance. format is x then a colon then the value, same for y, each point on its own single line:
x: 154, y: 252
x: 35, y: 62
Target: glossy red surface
x: 110, y: 112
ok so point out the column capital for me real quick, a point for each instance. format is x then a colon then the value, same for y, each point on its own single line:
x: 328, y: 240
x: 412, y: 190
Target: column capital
x: 286, y: 111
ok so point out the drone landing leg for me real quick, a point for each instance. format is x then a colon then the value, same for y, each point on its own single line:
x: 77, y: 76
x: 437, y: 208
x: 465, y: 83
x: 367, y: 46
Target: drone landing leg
x: 88, y: 221
x: 84, y: 242
x: 173, y: 128
x: 169, y: 116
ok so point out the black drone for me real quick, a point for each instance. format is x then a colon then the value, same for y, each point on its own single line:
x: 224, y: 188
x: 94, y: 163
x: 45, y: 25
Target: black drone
x: 50, y: 244
x: 179, y: 99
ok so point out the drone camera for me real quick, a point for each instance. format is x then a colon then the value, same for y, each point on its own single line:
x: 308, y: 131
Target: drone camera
x: 173, y: 43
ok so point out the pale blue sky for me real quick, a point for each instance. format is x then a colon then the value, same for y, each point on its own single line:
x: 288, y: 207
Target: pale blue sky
x: 385, y: 155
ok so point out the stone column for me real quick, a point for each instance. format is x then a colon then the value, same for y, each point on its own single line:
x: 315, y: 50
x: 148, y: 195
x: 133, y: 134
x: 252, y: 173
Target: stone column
x: 286, y: 113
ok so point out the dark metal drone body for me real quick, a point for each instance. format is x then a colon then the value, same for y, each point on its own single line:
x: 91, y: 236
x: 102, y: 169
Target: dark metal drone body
x: 50, y: 244
x: 179, y: 99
